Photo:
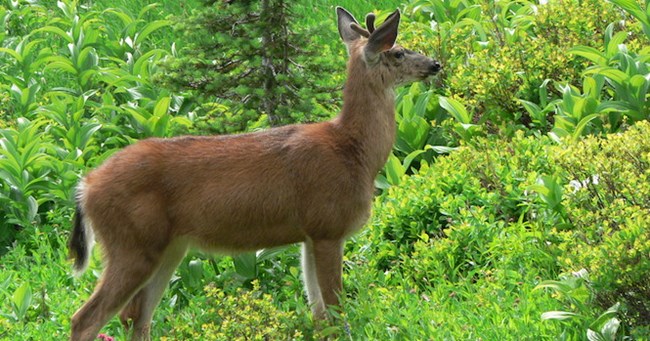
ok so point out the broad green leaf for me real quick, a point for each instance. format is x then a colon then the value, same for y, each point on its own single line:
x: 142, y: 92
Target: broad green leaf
x: 162, y: 106
x: 476, y: 25
x: 590, y: 53
x: 184, y: 121
x: 85, y: 134
x: 595, y: 336
x: 591, y: 87
x: 533, y: 109
x: 555, y: 285
x: 146, y: 9
x: 543, y: 92
x: 420, y: 107
x: 633, y: 8
x: 86, y: 76
x: 441, y: 149
x: 558, y: 315
x: 269, y: 253
x: 12, y: 53
x: 456, y: 109
x: 567, y: 99
x: 614, y: 42
x: 60, y: 63
x: 608, y: 315
x: 21, y: 299
x: 53, y: 29
x: 87, y: 59
x: 67, y: 7
x: 146, y: 57
x: 381, y: 182
x: 639, y: 85
x: 394, y: 170
x: 610, y: 328
x: 246, y: 265
x: 27, y: 50
x: 613, y: 74
x: 407, y: 106
x: 195, y: 271
x: 409, y: 158
x: 126, y: 18
x: 32, y: 209
x: 414, y: 131
x: 583, y: 124
x: 161, y: 125
x: 150, y: 28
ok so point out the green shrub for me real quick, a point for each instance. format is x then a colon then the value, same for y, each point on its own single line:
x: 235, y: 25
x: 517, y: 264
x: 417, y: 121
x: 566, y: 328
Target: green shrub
x: 522, y: 49
x: 488, y: 184
x: 507, y: 62
x: 608, y: 203
x: 522, y: 211
x: 245, y: 315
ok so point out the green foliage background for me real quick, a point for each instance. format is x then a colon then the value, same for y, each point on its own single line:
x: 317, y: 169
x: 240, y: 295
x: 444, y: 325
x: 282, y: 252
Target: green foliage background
x: 515, y: 204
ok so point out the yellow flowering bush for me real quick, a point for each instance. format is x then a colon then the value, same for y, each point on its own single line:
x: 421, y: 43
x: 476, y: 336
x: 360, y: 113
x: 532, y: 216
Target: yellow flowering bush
x: 245, y: 315
x: 608, y: 203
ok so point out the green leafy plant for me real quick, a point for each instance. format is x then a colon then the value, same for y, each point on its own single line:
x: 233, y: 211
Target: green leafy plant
x: 498, y: 55
x: 582, y: 113
x: 625, y: 74
x: 24, y: 169
x: 21, y: 80
x: 575, y: 291
x: 21, y: 301
x: 156, y: 122
x: 551, y: 191
x: 539, y: 112
x: 464, y: 126
x: 639, y: 13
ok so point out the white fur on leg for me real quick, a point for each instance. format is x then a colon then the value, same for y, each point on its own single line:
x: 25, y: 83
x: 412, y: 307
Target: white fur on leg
x: 310, y: 279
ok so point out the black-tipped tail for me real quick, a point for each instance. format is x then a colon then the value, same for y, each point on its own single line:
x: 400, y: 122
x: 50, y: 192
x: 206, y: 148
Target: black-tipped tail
x: 78, y: 243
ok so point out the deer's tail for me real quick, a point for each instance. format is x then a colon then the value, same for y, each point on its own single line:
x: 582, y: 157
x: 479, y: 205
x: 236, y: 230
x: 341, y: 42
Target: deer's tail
x: 81, y: 242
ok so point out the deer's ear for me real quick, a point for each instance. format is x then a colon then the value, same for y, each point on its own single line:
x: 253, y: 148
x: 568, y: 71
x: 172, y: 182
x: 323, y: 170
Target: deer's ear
x: 383, y: 38
x: 345, y: 21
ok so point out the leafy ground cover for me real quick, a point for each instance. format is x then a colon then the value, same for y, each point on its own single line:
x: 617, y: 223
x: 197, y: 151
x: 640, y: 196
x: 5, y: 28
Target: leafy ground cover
x: 502, y: 247
x: 515, y: 204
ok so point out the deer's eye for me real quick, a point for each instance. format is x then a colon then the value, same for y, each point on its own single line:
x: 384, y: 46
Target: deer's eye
x: 399, y: 54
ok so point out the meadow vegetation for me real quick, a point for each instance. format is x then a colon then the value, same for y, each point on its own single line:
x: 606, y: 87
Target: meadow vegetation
x: 515, y: 204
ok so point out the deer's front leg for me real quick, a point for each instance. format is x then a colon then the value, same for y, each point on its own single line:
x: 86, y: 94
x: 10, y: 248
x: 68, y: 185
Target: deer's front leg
x: 328, y: 258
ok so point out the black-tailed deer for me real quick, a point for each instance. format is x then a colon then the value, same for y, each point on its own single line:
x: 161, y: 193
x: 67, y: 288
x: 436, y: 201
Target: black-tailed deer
x: 309, y: 183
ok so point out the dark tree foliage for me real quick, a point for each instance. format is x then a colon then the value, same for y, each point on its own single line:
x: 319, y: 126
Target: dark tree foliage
x: 251, y: 57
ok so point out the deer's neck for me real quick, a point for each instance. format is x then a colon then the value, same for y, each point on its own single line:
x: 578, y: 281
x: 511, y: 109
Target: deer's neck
x: 368, y: 121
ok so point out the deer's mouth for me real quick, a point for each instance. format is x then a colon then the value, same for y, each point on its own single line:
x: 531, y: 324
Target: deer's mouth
x: 432, y: 70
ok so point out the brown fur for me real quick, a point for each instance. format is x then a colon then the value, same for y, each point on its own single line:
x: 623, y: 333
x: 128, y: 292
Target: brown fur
x: 300, y: 183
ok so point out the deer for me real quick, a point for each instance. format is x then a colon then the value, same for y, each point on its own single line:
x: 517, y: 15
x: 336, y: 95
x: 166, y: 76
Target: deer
x: 304, y: 183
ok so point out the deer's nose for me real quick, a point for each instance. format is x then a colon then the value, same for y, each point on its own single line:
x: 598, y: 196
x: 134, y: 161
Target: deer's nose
x: 434, y: 67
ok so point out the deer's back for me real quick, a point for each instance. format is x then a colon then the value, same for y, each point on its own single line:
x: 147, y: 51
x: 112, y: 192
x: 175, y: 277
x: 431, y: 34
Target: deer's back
x: 278, y: 185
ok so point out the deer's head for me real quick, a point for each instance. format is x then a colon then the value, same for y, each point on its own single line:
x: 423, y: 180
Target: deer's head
x: 384, y: 61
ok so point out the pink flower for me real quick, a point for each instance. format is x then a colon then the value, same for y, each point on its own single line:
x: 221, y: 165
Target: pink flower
x: 105, y: 337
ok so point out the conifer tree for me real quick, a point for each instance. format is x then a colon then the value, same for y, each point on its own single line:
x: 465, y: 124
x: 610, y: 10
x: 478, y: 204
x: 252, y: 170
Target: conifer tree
x: 249, y: 55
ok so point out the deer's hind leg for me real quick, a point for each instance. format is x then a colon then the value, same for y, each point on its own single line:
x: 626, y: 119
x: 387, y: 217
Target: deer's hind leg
x: 127, y: 270
x: 141, y: 307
